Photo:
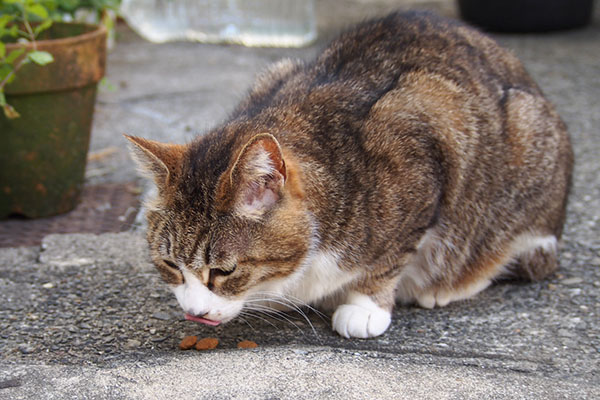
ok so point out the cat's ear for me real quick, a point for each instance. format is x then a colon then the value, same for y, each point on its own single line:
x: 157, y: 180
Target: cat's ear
x: 253, y: 183
x: 158, y: 161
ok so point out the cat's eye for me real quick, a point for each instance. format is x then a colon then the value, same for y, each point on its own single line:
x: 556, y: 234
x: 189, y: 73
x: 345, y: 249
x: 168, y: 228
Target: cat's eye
x: 171, y: 264
x: 215, y: 272
x: 222, y: 272
x: 170, y: 272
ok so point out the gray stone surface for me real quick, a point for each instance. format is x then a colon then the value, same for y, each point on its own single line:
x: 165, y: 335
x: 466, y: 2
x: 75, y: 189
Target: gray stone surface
x: 85, y: 316
x: 291, y: 373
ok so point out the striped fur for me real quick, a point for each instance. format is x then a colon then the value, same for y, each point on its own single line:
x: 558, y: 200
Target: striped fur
x: 414, y: 159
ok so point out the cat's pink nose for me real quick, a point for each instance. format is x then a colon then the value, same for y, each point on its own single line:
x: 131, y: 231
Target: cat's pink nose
x: 205, y: 321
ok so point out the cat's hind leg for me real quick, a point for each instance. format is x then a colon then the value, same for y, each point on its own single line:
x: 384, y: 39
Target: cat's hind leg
x: 530, y: 256
x: 441, y: 297
x: 535, y: 257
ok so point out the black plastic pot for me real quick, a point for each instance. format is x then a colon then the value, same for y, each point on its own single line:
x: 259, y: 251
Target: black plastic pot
x: 527, y: 15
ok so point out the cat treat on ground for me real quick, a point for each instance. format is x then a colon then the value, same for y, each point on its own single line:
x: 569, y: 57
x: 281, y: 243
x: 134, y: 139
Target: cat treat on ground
x: 188, y: 342
x: 208, y: 343
x: 247, y: 344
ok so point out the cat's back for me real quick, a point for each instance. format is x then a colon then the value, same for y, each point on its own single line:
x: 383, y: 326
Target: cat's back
x: 455, y: 63
x: 355, y: 70
x: 401, y: 42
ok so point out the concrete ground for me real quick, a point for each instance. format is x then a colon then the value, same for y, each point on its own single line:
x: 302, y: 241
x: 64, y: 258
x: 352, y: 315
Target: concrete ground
x: 86, y: 316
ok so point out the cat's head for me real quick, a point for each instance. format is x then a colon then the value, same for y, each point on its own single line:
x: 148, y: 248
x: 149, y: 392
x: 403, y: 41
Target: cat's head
x: 228, y: 221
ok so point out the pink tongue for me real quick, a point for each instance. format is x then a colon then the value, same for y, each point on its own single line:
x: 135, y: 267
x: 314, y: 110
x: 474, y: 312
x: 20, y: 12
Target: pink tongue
x: 210, y: 322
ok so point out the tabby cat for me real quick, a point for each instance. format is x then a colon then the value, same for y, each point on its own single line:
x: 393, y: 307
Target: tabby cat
x: 414, y: 160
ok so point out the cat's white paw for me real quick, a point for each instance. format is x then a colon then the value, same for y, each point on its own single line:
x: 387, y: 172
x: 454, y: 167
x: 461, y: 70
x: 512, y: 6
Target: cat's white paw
x: 362, y: 318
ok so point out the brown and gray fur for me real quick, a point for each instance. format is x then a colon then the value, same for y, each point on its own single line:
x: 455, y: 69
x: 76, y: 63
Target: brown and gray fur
x: 414, y: 152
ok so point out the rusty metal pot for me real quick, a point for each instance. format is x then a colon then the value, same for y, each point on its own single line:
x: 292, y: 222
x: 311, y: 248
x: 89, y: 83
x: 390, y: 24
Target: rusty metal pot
x: 43, y: 153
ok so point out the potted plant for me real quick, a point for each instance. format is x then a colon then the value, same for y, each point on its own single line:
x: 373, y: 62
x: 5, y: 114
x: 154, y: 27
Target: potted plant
x: 49, y: 71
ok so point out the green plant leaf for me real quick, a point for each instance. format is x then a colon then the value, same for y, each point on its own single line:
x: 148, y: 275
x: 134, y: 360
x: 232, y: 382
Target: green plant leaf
x: 11, y: 78
x: 5, y: 70
x: 10, y: 112
x: 14, y: 31
x: 68, y: 5
x: 37, y: 10
x: 42, y: 27
x: 2, y: 50
x: 51, y: 7
x: 5, y: 19
x: 13, y: 55
x: 40, y: 57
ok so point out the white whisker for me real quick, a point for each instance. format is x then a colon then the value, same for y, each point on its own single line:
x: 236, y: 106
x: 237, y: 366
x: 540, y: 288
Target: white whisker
x: 277, y: 315
x: 253, y: 315
x: 292, y: 304
x: 289, y: 299
x: 246, y: 321
x: 299, y: 302
x: 269, y: 312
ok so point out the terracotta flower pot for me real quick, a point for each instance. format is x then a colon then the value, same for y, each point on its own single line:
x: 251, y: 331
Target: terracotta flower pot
x: 43, y: 153
x: 527, y: 15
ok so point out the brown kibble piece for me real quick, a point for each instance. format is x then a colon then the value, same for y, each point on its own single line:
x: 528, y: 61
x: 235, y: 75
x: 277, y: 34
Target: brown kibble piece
x: 188, y: 342
x: 208, y: 343
x: 247, y: 344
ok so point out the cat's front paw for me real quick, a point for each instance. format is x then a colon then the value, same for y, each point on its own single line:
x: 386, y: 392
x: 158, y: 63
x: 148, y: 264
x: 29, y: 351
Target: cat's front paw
x: 361, y: 319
